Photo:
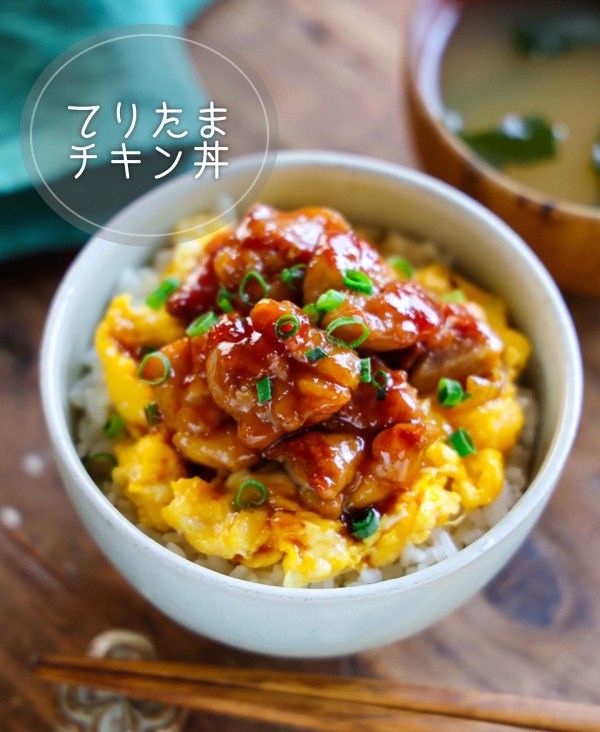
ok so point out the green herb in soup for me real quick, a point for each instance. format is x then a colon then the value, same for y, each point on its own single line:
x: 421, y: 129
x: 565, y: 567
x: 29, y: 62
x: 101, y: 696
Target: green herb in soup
x: 515, y: 140
x: 558, y: 35
x: 596, y: 155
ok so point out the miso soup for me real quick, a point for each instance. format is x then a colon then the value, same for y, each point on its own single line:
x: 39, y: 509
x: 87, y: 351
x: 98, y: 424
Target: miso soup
x: 486, y: 75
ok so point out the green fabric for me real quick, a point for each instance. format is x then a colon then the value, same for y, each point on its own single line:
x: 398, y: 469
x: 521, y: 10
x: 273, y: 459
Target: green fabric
x: 32, y: 34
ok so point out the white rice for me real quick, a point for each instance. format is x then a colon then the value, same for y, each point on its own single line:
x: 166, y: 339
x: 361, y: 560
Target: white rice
x: 90, y: 399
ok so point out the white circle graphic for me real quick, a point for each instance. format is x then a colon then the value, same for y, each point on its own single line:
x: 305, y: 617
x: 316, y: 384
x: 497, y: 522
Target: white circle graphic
x: 46, y: 79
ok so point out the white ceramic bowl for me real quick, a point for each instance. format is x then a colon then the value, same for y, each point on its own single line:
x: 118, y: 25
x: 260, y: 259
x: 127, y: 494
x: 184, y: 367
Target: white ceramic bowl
x: 303, y: 622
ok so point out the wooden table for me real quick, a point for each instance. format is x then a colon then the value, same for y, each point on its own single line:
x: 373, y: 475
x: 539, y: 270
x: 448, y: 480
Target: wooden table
x: 332, y: 69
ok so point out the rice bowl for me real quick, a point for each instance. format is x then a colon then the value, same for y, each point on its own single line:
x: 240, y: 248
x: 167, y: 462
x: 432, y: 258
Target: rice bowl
x: 303, y: 622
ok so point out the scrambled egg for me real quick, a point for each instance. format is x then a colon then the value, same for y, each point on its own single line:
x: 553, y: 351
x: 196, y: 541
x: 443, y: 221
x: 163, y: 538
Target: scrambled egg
x: 310, y: 548
x: 146, y: 469
x: 203, y: 513
x: 186, y: 252
x: 123, y: 330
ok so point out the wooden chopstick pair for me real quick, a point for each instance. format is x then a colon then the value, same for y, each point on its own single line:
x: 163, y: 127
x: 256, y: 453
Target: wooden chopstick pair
x: 320, y: 702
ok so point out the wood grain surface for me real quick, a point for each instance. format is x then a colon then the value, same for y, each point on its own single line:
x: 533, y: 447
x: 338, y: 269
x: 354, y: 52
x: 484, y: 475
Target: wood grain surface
x: 333, y: 71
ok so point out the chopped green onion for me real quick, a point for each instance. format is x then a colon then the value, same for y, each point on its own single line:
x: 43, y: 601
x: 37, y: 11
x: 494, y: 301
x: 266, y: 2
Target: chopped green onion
x: 202, y: 324
x: 381, y: 381
x: 252, y: 275
x: 401, y: 265
x: 330, y: 300
x: 313, y: 312
x: 291, y: 275
x: 152, y: 413
x: 515, y: 140
x: 224, y: 300
x: 166, y: 368
x: 100, y: 466
x: 286, y: 326
x: 461, y: 441
x: 358, y: 281
x: 453, y: 296
x: 263, y: 390
x: 114, y: 426
x: 315, y: 354
x: 240, y: 501
x: 340, y: 323
x: 450, y: 392
x: 158, y: 297
x: 365, y: 524
x: 365, y: 370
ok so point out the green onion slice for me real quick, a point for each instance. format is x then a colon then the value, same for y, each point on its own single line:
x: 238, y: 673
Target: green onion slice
x: 251, y: 486
x: 358, y: 281
x: 330, y: 300
x: 145, y: 350
x: 286, y: 326
x: 365, y: 524
x: 339, y: 323
x: 401, y: 265
x: 161, y: 359
x: 381, y: 381
x: 248, y: 277
x: 292, y: 275
x: 263, y: 390
x: 202, y: 324
x: 365, y: 370
x: 453, y: 296
x: 450, y: 392
x: 152, y: 413
x: 315, y: 354
x: 461, y: 441
x: 114, y: 426
x: 158, y: 297
x: 100, y: 466
x: 313, y: 313
x: 224, y: 298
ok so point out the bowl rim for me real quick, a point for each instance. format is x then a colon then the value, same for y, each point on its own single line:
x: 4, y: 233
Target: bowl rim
x: 539, y: 488
x: 431, y: 102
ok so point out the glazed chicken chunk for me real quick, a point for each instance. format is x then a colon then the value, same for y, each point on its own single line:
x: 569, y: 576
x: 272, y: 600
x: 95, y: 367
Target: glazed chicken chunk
x: 463, y: 346
x: 202, y: 432
x: 396, y: 457
x: 337, y: 254
x: 398, y: 316
x: 266, y: 241
x: 379, y: 404
x: 274, y: 385
x: 322, y: 466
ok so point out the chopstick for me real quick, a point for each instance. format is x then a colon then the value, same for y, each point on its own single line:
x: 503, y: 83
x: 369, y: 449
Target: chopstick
x: 276, y: 708
x: 318, y: 701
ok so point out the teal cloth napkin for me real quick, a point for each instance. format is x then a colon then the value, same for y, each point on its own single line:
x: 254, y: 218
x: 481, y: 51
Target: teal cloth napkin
x: 32, y: 34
